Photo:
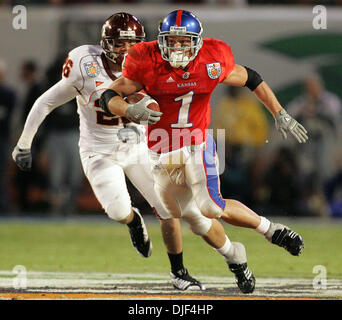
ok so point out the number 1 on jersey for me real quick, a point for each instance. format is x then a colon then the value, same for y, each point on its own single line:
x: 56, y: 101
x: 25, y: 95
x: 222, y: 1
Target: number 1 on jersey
x: 183, y: 114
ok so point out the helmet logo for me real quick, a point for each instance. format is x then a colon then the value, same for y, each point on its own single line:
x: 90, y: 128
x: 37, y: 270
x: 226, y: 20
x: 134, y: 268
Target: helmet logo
x: 129, y: 33
x: 177, y: 30
x: 214, y: 70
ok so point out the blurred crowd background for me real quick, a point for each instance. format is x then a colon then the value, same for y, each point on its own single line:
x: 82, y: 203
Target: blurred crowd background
x: 272, y: 176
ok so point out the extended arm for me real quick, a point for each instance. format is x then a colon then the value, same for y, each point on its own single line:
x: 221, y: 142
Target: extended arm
x: 56, y: 96
x: 244, y: 76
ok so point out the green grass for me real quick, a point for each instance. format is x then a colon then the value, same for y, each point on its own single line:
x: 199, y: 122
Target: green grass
x: 106, y: 247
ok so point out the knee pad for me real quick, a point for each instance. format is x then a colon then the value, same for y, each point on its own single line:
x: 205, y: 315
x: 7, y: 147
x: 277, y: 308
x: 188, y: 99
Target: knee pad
x: 210, y: 209
x: 118, y: 210
x: 208, y: 199
x: 199, y: 224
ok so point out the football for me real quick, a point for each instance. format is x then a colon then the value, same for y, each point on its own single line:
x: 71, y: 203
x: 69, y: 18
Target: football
x: 137, y: 96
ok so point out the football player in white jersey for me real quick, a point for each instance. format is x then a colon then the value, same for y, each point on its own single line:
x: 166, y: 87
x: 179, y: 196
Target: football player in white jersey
x: 111, y: 147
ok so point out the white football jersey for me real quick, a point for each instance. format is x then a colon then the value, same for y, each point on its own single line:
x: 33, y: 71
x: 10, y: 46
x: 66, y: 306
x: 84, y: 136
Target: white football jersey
x: 86, y: 68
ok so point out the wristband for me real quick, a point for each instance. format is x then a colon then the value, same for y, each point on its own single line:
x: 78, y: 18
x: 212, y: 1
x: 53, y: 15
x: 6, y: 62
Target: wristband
x: 106, y: 96
x: 253, y: 79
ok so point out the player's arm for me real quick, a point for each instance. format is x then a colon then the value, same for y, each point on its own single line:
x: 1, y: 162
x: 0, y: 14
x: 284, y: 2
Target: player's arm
x: 112, y: 102
x: 56, y: 96
x: 113, y: 97
x: 241, y: 76
x: 63, y: 91
x: 244, y: 76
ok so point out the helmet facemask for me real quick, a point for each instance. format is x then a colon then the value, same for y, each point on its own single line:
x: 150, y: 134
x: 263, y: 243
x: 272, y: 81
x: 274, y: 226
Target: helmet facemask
x: 110, y: 45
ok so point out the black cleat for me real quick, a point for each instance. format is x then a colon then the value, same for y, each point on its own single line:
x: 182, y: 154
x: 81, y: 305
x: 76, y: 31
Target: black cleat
x: 243, y: 276
x: 289, y: 240
x: 182, y: 280
x: 237, y: 262
x: 139, y: 237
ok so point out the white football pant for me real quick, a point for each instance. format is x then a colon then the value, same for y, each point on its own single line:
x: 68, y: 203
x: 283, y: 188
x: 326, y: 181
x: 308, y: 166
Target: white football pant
x: 106, y: 175
x: 189, y: 177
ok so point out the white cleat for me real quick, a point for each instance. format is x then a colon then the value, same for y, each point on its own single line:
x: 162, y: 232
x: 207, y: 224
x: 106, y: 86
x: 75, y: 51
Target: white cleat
x: 183, y: 281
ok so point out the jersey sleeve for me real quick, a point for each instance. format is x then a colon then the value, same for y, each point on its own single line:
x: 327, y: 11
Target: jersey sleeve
x: 71, y: 70
x: 56, y: 96
x: 227, y: 58
x: 133, y: 64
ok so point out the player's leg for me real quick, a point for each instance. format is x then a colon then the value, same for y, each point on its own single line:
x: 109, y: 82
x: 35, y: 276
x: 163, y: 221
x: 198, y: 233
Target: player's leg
x: 172, y: 238
x: 234, y: 254
x: 141, y: 177
x: 212, y: 232
x: 178, y: 199
x: 237, y: 213
x: 175, y: 199
x: 107, y: 180
x: 202, y: 176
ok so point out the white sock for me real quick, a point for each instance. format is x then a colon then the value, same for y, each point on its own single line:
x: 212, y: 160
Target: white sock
x: 263, y: 226
x: 225, y: 248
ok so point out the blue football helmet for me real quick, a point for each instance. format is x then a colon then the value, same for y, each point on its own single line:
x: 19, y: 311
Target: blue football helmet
x: 180, y: 23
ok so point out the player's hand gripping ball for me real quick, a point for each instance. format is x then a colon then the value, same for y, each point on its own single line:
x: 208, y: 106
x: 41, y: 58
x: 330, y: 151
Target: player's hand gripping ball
x: 142, y: 108
x: 137, y: 96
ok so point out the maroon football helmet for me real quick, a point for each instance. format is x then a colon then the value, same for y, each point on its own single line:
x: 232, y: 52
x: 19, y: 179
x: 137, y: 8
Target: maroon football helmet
x: 120, y: 26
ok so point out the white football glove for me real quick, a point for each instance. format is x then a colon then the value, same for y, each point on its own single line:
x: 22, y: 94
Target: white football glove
x: 138, y: 112
x: 285, y: 123
x: 22, y: 158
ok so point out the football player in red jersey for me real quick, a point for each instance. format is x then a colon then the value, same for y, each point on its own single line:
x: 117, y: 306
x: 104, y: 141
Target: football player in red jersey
x: 180, y: 71
x: 107, y: 153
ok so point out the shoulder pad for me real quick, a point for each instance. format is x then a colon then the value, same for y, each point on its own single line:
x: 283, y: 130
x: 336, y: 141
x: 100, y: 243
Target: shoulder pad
x: 79, y: 63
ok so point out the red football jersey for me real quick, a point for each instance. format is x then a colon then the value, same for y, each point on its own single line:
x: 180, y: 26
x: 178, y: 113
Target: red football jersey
x: 183, y: 94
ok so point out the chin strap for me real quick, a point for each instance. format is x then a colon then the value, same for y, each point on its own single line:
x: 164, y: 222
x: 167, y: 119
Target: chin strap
x: 178, y: 59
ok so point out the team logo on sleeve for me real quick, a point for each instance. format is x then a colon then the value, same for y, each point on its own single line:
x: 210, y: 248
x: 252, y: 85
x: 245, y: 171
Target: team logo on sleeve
x: 92, y: 69
x: 214, y: 70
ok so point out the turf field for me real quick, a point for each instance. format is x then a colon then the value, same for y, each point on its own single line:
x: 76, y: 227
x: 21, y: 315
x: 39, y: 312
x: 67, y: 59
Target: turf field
x: 103, y: 247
